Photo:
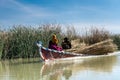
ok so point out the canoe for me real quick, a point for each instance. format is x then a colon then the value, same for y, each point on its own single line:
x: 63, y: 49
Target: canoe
x: 50, y: 54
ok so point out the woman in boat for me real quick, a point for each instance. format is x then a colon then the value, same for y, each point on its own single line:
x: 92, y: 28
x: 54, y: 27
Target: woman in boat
x: 66, y: 44
x: 53, y: 44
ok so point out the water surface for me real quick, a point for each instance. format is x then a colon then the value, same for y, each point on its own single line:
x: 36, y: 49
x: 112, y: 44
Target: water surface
x: 99, y: 68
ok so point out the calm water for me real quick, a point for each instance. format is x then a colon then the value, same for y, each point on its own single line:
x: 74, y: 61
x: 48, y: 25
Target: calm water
x: 103, y: 68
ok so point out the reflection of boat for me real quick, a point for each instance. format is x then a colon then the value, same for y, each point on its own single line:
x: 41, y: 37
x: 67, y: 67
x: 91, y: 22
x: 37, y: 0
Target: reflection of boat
x: 58, y: 70
x: 50, y: 54
x: 54, y: 71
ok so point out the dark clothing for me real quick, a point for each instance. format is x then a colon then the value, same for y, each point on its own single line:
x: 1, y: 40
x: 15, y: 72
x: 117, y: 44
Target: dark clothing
x: 50, y: 44
x: 66, y: 44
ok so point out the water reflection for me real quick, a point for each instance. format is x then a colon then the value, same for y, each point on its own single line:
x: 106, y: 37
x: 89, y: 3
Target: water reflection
x: 33, y: 69
x: 66, y: 70
x: 20, y: 69
x: 56, y: 71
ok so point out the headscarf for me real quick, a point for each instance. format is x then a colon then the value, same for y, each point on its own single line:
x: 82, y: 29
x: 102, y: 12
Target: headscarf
x: 54, y: 39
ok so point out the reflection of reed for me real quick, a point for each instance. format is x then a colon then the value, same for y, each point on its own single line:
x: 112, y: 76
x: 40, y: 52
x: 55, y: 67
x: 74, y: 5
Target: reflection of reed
x: 4, y: 69
x: 20, y: 70
x: 101, y: 64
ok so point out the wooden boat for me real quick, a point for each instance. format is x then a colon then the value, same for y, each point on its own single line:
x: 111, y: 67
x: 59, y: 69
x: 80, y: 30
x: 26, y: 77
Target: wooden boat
x: 50, y: 54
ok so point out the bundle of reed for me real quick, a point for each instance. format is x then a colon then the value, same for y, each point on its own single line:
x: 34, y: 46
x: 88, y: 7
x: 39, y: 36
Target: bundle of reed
x: 103, y: 47
x: 99, y: 48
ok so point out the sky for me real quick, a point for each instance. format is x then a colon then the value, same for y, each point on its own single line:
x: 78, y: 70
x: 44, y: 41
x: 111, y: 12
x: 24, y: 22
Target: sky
x: 79, y: 13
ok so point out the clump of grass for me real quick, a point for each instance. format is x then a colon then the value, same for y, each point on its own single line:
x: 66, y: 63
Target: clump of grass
x: 71, y: 33
x: 116, y: 39
x: 94, y: 35
x: 19, y: 43
x: 1, y: 43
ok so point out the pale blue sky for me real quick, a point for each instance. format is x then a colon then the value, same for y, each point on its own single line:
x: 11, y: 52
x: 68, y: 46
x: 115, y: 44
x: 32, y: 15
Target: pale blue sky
x: 79, y: 13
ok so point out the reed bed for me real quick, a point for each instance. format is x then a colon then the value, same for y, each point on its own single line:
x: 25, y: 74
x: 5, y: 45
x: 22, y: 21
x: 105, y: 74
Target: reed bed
x: 116, y: 39
x: 94, y: 35
x: 1, y: 43
x: 20, y: 41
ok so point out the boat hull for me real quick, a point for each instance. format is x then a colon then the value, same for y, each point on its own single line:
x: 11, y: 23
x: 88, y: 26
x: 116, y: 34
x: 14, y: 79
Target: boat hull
x: 53, y: 54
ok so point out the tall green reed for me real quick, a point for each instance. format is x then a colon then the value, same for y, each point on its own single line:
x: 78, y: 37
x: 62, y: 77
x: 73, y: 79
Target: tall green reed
x: 116, y: 39
x: 20, y: 43
x: 21, y: 40
x: 94, y: 35
x: 1, y: 43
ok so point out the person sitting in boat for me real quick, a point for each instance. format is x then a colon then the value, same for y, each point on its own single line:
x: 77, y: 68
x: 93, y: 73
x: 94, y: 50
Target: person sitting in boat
x: 53, y: 44
x: 66, y: 44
